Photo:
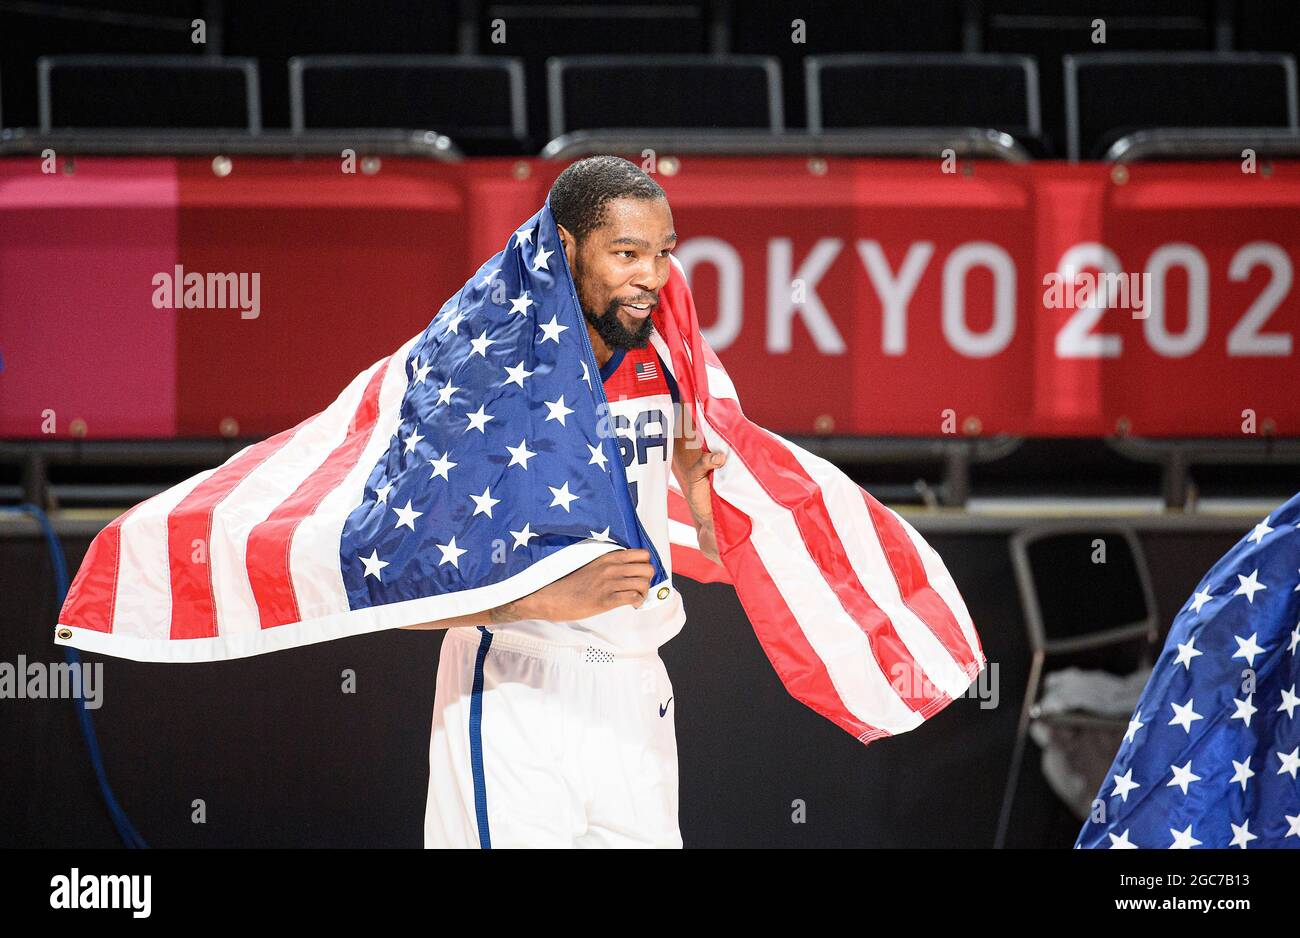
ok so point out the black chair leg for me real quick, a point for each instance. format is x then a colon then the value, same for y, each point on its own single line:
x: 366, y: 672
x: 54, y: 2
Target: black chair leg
x: 1018, y: 752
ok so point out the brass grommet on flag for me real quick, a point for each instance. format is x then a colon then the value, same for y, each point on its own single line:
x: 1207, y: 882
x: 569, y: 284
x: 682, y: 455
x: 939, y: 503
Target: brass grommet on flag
x: 663, y: 592
x: 64, y: 633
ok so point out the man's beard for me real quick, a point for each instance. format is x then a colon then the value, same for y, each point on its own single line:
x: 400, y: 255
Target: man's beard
x: 616, y: 335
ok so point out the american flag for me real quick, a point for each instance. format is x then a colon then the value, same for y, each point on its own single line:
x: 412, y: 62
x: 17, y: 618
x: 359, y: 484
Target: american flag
x: 1212, y: 752
x: 466, y: 470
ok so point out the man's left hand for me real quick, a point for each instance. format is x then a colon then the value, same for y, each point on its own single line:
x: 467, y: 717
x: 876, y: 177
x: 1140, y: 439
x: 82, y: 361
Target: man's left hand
x: 692, y: 468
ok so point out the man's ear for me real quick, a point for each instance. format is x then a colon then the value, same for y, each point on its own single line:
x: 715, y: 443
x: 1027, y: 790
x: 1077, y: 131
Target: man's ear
x: 569, y: 242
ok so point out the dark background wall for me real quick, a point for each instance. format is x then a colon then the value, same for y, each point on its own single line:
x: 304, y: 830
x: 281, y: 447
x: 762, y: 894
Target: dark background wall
x: 283, y: 758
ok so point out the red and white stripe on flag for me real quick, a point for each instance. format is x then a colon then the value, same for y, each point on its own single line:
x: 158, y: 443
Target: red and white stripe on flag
x: 241, y: 559
x: 857, y: 613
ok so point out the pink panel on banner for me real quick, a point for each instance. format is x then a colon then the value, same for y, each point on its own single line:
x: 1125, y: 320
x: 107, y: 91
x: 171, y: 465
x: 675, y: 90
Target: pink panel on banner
x: 79, y: 336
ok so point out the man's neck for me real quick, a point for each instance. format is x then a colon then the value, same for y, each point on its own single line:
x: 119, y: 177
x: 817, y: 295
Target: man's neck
x: 603, y: 351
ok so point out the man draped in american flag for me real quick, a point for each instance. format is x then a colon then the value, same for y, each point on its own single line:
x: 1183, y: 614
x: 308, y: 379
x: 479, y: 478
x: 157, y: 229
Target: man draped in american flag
x: 1211, y: 759
x: 578, y: 748
x: 528, y: 473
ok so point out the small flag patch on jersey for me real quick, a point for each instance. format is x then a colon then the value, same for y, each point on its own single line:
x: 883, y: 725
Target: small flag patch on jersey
x: 646, y: 371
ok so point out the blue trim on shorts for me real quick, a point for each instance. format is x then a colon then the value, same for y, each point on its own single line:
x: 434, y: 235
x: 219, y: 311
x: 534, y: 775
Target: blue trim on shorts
x: 476, y: 742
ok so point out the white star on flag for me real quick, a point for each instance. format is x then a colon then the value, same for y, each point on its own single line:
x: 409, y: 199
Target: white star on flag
x: 373, y: 564
x: 562, y: 496
x: 450, y: 553
x: 551, y: 330
x: 1123, y: 785
x: 522, y: 537
x: 557, y: 410
x: 441, y: 466
x: 1200, y: 599
x: 481, y: 344
x: 519, y: 455
x: 1245, y: 709
x: 1121, y: 842
x: 1134, y: 725
x: 1246, y: 648
x: 405, y: 516
x: 1183, y: 776
x: 1184, y: 716
x: 483, y: 503
x: 1289, y: 702
x: 478, y: 420
x: 517, y: 375
x: 520, y: 304
x: 1250, y: 585
x: 1290, y: 762
x: 1186, y: 652
x: 1242, y: 774
x: 1241, y: 834
x: 1261, y: 529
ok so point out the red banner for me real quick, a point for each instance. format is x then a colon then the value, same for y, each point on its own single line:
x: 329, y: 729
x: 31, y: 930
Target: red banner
x: 844, y: 296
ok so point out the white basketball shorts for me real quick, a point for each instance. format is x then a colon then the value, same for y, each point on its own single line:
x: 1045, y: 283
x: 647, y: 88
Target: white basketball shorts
x: 545, y: 745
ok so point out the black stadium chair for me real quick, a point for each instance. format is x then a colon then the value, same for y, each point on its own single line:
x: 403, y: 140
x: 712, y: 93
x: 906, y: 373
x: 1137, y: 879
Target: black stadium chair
x: 831, y: 27
x: 1052, y: 28
x: 273, y: 33
x: 536, y: 30
x: 1049, y: 30
x: 1111, y: 95
x: 73, y: 27
x: 1086, y: 610
x: 101, y: 92
x: 924, y: 90
x: 1266, y: 25
x: 472, y: 99
x: 664, y: 91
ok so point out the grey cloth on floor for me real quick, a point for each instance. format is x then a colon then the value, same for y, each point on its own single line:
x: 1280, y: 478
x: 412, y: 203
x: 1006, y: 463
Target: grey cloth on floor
x: 1075, y: 758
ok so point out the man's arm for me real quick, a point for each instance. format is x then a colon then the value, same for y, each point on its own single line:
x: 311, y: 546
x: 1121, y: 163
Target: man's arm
x: 616, y: 578
x: 497, y: 615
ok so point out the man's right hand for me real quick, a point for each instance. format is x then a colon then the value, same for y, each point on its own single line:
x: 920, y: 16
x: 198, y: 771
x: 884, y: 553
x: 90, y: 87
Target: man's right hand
x: 617, y: 578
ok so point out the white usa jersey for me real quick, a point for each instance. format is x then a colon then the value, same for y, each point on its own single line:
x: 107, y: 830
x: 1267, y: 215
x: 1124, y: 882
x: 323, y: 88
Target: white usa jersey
x: 641, y: 415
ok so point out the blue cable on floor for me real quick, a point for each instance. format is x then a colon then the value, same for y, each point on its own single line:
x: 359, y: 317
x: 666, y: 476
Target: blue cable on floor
x: 121, y: 822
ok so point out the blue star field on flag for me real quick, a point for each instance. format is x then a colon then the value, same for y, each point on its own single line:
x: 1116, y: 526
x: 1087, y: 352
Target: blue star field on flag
x: 1211, y: 758
x: 504, y: 453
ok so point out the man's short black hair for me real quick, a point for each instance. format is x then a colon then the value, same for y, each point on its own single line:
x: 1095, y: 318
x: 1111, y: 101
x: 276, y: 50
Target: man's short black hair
x: 579, y: 195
